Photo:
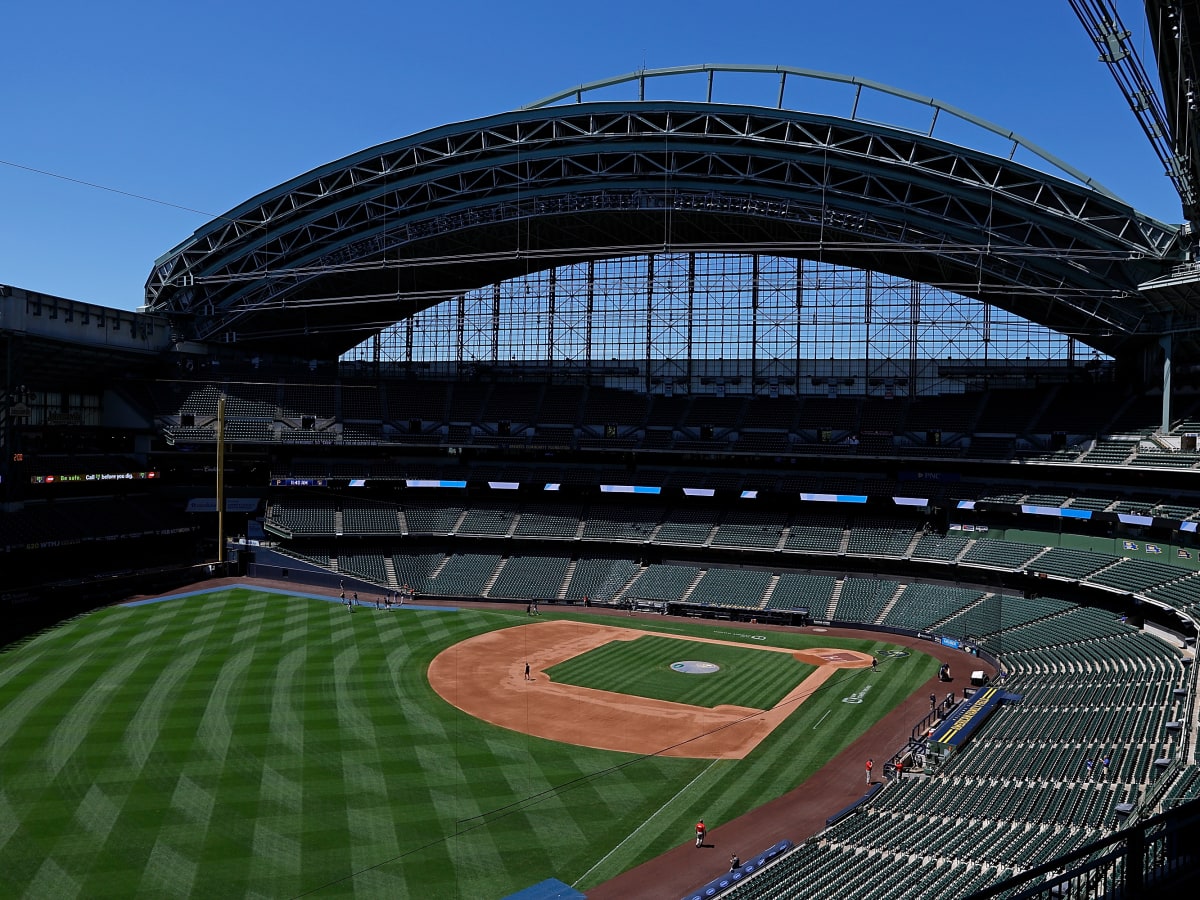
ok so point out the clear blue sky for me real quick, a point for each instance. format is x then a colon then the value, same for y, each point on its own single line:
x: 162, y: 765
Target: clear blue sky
x: 203, y: 105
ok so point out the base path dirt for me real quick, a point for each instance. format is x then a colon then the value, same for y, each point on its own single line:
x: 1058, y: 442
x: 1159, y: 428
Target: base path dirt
x: 485, y: 677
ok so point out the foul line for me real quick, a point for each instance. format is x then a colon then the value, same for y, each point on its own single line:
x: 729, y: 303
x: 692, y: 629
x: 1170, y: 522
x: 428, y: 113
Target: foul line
x: 743, y: 635
x: 629, y: 837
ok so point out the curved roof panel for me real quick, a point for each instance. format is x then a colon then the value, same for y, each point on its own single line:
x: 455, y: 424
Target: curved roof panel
x: 341, y: 252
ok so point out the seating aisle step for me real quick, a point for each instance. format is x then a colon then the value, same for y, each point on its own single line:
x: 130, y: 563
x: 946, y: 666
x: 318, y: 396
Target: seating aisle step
x: 494, y: 577
x: 887, y: 607
x: 771, y: 585
x: 691, y: 587
x: 835, y: 597
x: 567, y: 576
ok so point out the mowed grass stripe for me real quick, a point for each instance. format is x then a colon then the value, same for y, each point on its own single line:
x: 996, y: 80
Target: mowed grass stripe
x: 748, y: 677
x: 28, y: 702
x: 813, y: 734
x: 71, y: 756
x: 66, y: 759
x: 305, y: 746
x: 146, y: 724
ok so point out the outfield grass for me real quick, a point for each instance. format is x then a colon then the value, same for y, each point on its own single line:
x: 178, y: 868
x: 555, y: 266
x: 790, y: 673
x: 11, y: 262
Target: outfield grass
x: 246, y: 743
x: 754, y: 678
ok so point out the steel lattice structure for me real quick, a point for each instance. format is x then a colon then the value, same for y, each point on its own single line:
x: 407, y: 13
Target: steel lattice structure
x: 715, y: 322
x: 337, y: 255
x: 1175, y: 32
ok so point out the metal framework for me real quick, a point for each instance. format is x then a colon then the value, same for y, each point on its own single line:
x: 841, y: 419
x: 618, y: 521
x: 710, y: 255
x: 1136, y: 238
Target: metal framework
x: 712, y: 323
x: 862, y: 89
x: 337, y: 255
x: 1104, y: 26
x: 1175, y: 33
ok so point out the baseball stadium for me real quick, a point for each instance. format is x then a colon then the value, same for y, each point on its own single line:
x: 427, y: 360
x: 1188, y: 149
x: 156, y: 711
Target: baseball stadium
x: 658, y: 490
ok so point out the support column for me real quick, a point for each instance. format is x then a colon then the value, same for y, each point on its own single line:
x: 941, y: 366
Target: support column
x: 461, y: 336
x: 649, y: 316
x: 1165, y: 343
x: 868, y: 341
x: 551, y: 302
x: 914, y: 336
x: 755, y: 274
x: 495, y: 322
x: 987, y: 337
x: 691, y: 317
x: 591, y: 309
x: 221, y: 478
x: 799, y: 322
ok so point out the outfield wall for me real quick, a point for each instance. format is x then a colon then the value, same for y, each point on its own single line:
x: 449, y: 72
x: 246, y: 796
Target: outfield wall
x: 25, y: 611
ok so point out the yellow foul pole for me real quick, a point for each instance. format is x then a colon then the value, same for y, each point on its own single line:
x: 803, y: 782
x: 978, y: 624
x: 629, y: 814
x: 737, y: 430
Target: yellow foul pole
x: 221, y: 479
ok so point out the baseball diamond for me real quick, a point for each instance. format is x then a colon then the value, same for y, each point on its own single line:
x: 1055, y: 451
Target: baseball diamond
x: 466, y: 676
x: 160, y: 724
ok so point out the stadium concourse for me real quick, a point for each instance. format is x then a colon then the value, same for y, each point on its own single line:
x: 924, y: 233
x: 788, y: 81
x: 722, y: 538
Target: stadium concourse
x: 710, y: 359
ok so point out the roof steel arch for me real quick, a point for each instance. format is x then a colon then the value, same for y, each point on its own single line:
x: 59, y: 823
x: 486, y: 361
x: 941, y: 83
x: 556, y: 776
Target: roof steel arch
x: 641, y: 76
x: 351, y: 247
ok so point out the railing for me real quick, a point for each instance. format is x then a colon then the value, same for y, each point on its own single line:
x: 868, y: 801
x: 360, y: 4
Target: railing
x: 1163, y: 779
x: 1154, y: 855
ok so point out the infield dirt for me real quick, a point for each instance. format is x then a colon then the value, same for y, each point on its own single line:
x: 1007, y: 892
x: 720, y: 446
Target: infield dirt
x: 485, y: 677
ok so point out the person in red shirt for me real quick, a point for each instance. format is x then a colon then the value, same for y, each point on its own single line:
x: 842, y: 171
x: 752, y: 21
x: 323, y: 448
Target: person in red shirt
x: 870, y: 765
x: 701, y: 831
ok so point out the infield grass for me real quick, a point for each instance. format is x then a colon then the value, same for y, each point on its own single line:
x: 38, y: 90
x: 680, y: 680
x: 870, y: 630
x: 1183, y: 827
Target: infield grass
x: 747, y: 677
x: 247, y: 743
